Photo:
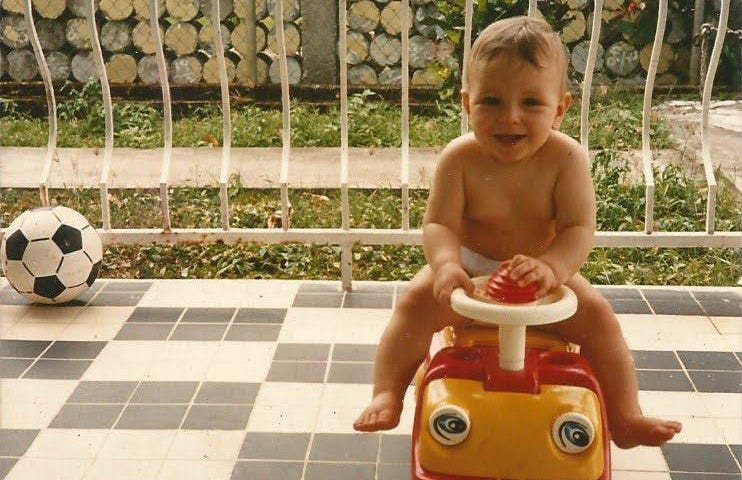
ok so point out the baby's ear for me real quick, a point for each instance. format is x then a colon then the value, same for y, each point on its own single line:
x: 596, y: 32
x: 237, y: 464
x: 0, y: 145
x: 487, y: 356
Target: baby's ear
x: 465, y: 101
x: 562, y: 110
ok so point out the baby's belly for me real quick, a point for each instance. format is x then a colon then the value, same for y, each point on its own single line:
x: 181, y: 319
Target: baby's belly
x: 531, y: 238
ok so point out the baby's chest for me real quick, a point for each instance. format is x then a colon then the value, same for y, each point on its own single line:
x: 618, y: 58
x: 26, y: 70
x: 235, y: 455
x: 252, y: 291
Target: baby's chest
x: 509, y: 201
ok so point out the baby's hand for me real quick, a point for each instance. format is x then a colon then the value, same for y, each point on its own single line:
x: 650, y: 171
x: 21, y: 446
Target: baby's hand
x: 448, y: 277
x: 525, y: 270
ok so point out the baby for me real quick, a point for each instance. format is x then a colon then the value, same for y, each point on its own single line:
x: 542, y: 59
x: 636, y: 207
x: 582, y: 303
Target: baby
x: 515, y: 189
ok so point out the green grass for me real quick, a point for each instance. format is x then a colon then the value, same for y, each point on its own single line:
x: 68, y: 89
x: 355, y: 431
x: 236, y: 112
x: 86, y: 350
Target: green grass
x: 679, y: 207
x: 615, y: 123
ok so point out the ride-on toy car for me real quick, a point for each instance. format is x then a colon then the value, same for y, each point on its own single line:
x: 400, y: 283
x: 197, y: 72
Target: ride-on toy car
x: 495, y: 404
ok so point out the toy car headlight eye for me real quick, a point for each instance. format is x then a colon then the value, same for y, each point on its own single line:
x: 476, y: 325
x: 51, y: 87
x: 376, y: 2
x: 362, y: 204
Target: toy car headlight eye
x: 449, y: 424
x: 573, y: 432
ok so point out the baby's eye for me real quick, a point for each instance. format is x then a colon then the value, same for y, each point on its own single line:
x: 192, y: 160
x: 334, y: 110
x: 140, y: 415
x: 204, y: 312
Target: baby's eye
x: 490, y: 101
x: 531, y: 102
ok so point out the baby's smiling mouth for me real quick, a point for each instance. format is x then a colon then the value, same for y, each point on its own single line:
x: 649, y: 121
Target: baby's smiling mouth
x: 509, y: 140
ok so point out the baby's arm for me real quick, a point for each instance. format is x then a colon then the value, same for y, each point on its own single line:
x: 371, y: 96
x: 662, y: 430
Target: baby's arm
x: 442, y: 224
x: 574, y: 203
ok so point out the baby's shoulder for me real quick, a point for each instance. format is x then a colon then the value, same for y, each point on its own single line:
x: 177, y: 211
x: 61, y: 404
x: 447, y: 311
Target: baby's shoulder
x: 564, y: 151
x: 459, y: 149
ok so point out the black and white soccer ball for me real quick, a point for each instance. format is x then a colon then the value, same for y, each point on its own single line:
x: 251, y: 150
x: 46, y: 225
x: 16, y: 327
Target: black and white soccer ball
x: 51, y: 254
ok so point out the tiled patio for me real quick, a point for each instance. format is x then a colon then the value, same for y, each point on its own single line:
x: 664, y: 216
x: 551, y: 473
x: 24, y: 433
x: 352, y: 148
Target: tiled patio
x: 261, y: 380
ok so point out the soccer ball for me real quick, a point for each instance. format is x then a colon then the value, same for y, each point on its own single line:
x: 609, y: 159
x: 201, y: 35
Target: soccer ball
x: 51, y: 255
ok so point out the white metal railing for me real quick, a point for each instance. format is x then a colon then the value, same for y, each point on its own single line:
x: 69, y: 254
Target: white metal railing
x: 345, y: 236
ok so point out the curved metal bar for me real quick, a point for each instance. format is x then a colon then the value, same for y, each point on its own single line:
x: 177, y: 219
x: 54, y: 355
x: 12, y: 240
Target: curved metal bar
x: 226, y: 113
x: 532, y: 8
x: 468, y: 12
x: 708, y: 165
x: 286, y: 114
x: 51, y: 102
x: 105, y: 173
x: 346, y: 250
x: 587, y: 81
x: 405, y: 173
x: 167, y: 151
x: 646, y: 113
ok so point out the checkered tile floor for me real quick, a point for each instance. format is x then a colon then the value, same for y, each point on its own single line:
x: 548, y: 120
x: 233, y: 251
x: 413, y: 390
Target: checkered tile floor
x: 261, y: 380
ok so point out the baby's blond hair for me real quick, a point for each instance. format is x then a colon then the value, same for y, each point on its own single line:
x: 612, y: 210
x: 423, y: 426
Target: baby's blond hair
x: 530, y: 39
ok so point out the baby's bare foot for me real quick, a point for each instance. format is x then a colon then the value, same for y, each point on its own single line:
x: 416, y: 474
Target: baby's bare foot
x: 640, y: 430
x: 382, y: 414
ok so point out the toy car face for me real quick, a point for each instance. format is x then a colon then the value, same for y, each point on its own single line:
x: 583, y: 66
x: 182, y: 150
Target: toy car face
x: 466, y: 431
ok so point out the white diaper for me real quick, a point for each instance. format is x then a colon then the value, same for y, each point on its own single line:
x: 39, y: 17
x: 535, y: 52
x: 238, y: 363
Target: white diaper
x: 477, y: 265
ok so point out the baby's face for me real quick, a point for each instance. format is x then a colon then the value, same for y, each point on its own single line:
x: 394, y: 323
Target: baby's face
x: 513, y: 106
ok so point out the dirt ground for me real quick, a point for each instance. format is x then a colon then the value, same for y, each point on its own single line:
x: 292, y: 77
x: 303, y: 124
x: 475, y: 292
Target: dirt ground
x: 725, y: 135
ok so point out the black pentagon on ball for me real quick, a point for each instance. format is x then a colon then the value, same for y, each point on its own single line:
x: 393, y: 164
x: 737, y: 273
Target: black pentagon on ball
x: 15, y: 245
x: 49, y: 287
x: 93, y: 274
x: 68, y: 239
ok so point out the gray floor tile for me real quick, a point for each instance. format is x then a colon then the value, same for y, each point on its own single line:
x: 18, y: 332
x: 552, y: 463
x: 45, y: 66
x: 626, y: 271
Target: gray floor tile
x: 260, y: 315
x: 737, y: 452
x: 663, y: 380
x: 333, y: 287
x: 14, y: 367
x: 58, y: 369
x: 267, y: 471
x: 86, y: 416
x: 155, y: 314
x: 255, y: 333
x: 14, y: 442
x: 344, y: 352
x: 392, y: 471
x: 312, y: 352
x: 685, y: 457
x: 636, y: 307
x: 340, y: 471
x: 310, y: 372
x: 704, y: 476
x: 318, y: 300
x: 341, y: 447
x: 662, y: 294
x: 22, y: 348
x: 396, y: 449
x: 196, y: 332
x: 116, y: 299
x: 113, y: 286
x: 620, y: 293
x: 152, y: 417
x: 710, y: 360
x: 676, y: 307
x: 716, y: 382
x: 102, y: 392
x: 208, y: 315
x: 11, y: 297
x: 164, y: 392
x: 217, y: 417
x: 720, y: 304
x: 656, y: 360
x: 274, y: 446
x: 153, y: 331
x: 6, y: 465
x: 74, y: 350
x: 351, y: 373
x: 230, y: 393
x: 367, y: 300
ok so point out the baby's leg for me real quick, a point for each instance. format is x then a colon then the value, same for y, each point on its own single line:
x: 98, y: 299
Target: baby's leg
x: 595, y: 328
x: 402, y: 348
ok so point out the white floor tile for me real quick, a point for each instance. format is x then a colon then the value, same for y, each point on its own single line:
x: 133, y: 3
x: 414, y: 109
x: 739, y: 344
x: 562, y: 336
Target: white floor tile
x: 660, y: 404
x: 62, y: 443
x: 182, y: 360
x: 286, y: 407
x: 27, y: 415
x: 240, y: 362
x: 14, y: 390
x: 634, y: 475
x: 116, y: 469
x: 195, y: 470
x: 648, y: 459
x: 43, y: 468
x: 233, y: 293
x: 722, y: 404
x: 137, y: 444
x: 727, y: 324
x: 206, y: 445
x: 33, y: 330
x: 332, y: 325
x: 697, y: 430
x: 731, y: 429
x: 123, y: 360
